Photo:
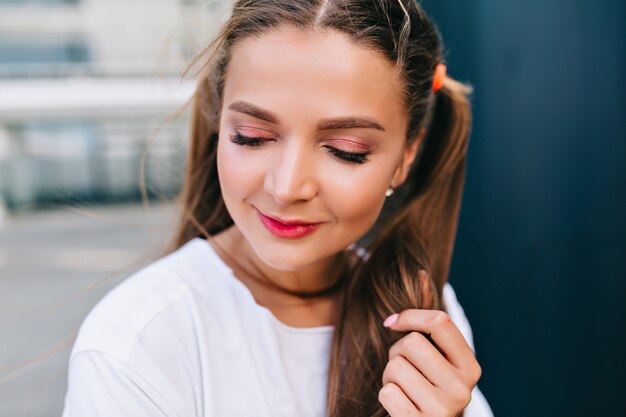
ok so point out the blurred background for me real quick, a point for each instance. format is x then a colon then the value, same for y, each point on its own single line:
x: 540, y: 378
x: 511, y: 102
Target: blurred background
x: 88, y: 94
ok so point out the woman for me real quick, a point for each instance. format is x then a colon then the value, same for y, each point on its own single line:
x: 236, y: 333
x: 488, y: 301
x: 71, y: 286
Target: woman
x: 287, y: 292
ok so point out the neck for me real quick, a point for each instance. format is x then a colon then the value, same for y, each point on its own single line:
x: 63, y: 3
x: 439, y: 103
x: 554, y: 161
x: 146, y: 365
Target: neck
x: 321, y: 279
x: 303, y: 298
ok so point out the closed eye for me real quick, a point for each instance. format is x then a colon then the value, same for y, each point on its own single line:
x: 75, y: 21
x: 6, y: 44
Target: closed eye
x: 357, y: 158
x: 242, y: 140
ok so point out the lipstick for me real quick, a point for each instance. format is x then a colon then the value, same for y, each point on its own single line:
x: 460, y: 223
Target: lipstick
x: 290, y: 230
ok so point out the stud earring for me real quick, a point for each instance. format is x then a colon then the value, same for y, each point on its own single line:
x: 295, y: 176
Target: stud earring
x: 388, y: 192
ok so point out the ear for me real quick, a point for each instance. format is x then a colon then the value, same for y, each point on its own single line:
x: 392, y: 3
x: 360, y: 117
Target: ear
x: 408, y: 156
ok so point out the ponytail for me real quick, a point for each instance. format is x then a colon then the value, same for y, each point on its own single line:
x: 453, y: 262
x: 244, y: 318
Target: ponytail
x: 418, y: 235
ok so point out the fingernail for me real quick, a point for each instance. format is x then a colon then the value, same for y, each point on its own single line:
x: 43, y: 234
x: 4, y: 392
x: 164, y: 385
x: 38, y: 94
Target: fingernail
x: 389, y: 321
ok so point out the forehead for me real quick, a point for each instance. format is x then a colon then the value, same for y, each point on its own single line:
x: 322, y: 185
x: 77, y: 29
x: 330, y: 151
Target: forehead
x: 315, y: 73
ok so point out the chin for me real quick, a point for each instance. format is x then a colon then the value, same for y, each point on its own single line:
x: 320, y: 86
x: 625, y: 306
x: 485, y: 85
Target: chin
x: 285, y: 257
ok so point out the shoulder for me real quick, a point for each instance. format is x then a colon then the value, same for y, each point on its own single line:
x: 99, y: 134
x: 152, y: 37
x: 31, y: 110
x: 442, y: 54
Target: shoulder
x: 116, y: 321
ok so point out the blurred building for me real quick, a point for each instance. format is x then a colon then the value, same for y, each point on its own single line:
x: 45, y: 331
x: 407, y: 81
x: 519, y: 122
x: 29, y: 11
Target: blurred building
x: 86, y: 86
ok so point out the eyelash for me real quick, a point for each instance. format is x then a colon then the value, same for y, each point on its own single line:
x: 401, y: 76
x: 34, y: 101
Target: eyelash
x: 356, y: 158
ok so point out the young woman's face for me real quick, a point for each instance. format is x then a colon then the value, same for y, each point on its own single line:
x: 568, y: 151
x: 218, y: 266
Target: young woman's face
x: 312, y: 129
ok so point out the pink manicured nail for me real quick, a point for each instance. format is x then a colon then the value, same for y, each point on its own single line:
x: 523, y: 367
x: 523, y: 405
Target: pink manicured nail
x: 389, y: 321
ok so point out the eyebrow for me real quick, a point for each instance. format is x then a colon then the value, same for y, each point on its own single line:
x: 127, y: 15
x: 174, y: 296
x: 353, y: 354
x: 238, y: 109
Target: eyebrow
x: 254, y: 111
x: 327, y: 124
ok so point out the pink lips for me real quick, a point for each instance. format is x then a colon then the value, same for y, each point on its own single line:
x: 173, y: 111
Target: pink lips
x: 292, y: 230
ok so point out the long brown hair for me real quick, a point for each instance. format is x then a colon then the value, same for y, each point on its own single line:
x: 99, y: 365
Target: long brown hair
x: 417, y: 227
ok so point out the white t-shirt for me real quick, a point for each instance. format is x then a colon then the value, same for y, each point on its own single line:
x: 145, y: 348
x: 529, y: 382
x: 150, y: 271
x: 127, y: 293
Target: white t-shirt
x: 184, y: 337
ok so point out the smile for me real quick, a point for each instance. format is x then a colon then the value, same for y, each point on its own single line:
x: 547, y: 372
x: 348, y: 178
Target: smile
x: 288, y: 230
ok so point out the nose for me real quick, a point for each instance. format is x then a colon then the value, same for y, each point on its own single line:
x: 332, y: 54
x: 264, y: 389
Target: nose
x: 291, y: 176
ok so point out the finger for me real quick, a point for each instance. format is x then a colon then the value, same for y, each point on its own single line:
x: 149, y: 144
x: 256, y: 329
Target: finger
x: 426, y: 358
x: 410, y: 380
x: 444, y: 333
x: 396, y: 402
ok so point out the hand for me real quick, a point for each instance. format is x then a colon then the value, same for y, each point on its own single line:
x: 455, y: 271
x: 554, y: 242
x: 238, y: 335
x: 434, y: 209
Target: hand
x: 422, y: 379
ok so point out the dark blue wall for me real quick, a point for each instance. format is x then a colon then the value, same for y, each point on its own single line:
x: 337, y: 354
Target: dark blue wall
x: 540, y: 259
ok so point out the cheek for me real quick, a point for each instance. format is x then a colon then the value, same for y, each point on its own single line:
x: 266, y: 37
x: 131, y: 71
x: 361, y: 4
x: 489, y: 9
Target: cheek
x: 356, y: 199
x: 237, y: 174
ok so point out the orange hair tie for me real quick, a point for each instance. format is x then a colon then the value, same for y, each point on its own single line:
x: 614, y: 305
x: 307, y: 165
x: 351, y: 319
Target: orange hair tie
x: 440, y: 75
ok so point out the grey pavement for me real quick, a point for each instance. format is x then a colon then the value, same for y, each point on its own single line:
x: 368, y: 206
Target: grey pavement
x: 55, y: 265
